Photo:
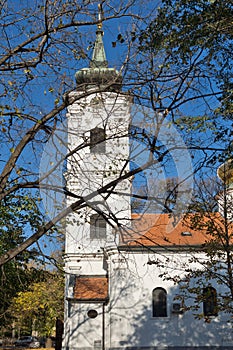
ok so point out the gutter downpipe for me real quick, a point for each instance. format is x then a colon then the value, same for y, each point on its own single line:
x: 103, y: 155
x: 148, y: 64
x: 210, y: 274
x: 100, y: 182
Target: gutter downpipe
x: 103, y: 326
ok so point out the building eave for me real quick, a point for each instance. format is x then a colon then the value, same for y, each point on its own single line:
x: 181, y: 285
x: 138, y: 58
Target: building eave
x: 153, y: 248
x: 88, y: 301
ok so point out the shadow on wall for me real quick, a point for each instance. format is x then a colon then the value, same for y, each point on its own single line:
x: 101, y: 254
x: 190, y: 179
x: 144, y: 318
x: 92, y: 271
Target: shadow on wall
x: 129, y: 321
x: 177, y: 330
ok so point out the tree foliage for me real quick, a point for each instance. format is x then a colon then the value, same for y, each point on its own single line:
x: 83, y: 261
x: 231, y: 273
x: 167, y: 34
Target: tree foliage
x: 37, y: 308
x: 189, y: 44
x: 17, y: 215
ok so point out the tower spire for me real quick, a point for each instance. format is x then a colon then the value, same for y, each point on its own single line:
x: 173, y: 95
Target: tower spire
x: 99, y: 57
x: 98, y: 73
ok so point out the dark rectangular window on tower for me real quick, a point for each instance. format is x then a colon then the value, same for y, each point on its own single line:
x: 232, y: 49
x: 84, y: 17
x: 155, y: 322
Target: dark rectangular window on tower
x: 97, y: 140
x: 97, y: 227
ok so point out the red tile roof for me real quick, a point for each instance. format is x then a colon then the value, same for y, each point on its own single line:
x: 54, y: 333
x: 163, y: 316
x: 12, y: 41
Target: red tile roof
x: 163, y: 230
x: 91, y: 288
x: 156, y: 230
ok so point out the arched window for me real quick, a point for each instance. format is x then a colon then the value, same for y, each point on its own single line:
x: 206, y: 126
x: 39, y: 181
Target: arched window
x: 97, y: 227
x: 159, y: 302
x: 97, y: 140
x: 210, y: 301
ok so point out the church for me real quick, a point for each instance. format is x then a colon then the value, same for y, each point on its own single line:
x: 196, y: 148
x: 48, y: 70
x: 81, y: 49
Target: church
x: 120, y: 266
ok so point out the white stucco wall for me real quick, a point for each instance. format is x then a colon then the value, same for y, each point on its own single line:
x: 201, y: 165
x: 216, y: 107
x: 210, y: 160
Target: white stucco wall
x: 82, y: 332
x: 128, y: 315
x: 132, y: 281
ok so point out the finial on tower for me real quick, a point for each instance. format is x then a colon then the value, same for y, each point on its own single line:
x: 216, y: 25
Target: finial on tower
x: 100, y: 16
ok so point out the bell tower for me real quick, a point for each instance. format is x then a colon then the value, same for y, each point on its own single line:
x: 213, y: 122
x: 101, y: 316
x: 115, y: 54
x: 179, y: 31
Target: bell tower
x: 98, y: 119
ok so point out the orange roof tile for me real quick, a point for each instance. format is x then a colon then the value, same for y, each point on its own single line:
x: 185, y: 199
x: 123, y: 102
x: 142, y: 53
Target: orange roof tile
x: 91, y: 288
x: 163, y: 230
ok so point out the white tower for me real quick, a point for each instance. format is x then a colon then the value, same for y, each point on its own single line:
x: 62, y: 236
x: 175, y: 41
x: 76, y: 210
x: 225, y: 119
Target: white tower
x: 98, y: 120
